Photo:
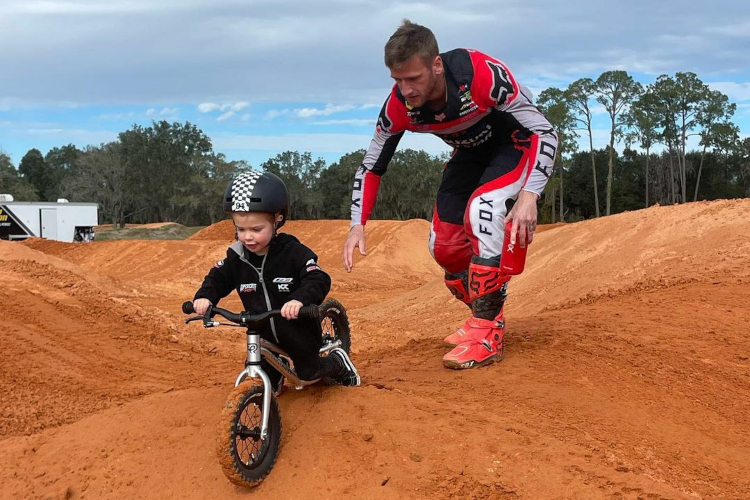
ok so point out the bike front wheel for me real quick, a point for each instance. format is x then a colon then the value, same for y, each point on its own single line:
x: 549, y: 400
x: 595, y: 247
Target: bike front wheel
x: 245, y: 457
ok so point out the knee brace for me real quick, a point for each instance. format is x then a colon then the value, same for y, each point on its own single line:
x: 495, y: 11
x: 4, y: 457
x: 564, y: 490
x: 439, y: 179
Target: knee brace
x: 458, y: 284
x: 487, y: 287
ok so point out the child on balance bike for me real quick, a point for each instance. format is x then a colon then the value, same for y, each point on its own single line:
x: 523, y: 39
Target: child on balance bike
x: 271, y: 270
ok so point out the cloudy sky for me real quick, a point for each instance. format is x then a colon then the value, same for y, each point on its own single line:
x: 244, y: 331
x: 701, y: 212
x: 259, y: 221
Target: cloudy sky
x: 262, y: 77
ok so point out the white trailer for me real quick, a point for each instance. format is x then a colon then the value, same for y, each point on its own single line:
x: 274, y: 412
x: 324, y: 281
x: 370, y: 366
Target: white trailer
x: 60, y: 221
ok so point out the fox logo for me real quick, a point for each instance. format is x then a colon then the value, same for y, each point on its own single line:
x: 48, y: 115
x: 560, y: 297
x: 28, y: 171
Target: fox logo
x: 384, y: 122
x: 502, y: 86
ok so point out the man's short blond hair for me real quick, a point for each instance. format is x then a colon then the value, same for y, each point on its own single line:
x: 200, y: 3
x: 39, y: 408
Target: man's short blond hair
x: 410, y: 39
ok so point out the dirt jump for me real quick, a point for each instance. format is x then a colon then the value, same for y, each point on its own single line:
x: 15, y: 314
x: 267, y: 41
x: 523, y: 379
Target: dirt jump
x: 626, y: 373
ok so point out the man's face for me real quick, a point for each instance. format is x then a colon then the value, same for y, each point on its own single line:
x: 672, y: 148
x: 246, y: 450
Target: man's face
x: 416, y: 80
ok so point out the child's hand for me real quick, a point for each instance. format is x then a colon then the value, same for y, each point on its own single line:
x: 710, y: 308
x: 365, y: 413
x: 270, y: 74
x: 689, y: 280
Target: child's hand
x: 290, y: 310
x: 201, y: 305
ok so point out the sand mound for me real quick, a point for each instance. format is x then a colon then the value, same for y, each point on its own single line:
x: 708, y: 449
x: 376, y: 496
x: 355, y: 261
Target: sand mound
x: 697, y: 242
x: 74, y: 342
x: 626, y: 373
x: 222, y: 230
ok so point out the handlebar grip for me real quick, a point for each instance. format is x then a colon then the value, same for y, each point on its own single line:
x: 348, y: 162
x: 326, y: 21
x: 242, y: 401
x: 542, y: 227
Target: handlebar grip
x: 187, y: 307
x: 311, y: 311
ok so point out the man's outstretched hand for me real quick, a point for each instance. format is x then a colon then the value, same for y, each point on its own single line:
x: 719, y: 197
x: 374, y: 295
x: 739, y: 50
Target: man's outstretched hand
x: 356, y: 239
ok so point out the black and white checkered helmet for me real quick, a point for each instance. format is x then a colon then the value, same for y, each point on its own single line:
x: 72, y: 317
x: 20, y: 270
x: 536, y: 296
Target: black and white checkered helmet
x: 257, y: 192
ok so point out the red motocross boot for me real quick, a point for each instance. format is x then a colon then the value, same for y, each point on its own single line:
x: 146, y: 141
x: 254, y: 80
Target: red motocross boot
x: 459, y: 335
x: 481, y: 342
x: 482, y: 345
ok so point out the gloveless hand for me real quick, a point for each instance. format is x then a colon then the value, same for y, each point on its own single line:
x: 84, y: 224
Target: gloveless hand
x: 356, y: 239
x: 523, y: 215
x: 290, y: 310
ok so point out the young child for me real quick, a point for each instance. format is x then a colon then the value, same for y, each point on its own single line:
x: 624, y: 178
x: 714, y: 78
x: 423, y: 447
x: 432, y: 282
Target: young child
x: 274, y: 271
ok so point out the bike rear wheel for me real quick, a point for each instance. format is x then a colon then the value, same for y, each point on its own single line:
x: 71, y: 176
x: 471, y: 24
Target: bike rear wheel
x: 334, y: 324
x: 246, y: 458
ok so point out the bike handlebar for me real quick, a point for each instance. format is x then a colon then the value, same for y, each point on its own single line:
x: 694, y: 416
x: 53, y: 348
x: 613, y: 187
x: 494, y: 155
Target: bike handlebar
x: 246, y: 318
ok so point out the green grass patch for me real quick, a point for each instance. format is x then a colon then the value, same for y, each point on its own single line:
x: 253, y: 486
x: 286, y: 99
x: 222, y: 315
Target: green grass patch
x: 168, y: 232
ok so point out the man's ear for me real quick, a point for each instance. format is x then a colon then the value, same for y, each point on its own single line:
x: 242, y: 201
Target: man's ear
x: 437, y: 65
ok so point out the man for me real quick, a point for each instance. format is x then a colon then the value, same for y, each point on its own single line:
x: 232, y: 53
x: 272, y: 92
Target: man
x: 504, y: 150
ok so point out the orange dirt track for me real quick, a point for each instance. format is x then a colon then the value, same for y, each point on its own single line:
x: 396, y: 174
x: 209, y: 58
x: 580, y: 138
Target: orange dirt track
x: 626, y: 373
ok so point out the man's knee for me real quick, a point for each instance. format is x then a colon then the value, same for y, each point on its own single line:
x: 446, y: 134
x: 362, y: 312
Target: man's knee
x: 453, y: 257
x: 449, y: 245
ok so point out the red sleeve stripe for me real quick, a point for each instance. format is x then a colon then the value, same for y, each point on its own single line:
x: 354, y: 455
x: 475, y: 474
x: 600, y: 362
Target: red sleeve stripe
x: 369, y: 195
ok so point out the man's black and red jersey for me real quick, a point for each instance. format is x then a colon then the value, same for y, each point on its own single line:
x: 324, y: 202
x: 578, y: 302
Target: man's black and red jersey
x: 484, y: 102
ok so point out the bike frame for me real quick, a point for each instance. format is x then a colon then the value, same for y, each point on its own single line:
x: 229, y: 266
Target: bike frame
x: 257, y: 350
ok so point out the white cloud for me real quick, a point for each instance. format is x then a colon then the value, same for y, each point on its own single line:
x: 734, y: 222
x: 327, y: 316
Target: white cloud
x: 8, y: 103
x: 69, y: 104
x: 279, y: 47
x: 266, y: 36
x: 225, y: 116
x: 682, y: 40
x: 238, y: 106
x: 169, y: 112
x: 165, y: 112
x: 44, y: 131
x: 354, y: 121
x: 327, y: 111
x: 740, y: 30
x: 73, y: 7
x: 116, y: 116
x: 245, y: 117
x: 274, y: 113
x: 207, y: 107
x: 735, y: 91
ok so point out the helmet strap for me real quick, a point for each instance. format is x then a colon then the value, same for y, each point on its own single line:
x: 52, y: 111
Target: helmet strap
x: 276, y: 223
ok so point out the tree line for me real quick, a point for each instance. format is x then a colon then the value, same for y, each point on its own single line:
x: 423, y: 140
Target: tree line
x: 169, y: 171
x: 664, y: 114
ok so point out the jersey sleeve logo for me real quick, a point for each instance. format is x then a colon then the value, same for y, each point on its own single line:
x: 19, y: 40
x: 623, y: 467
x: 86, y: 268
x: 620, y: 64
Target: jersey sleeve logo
x: 312, y: 266
x: 502, y: 87
x: 384, y: 123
